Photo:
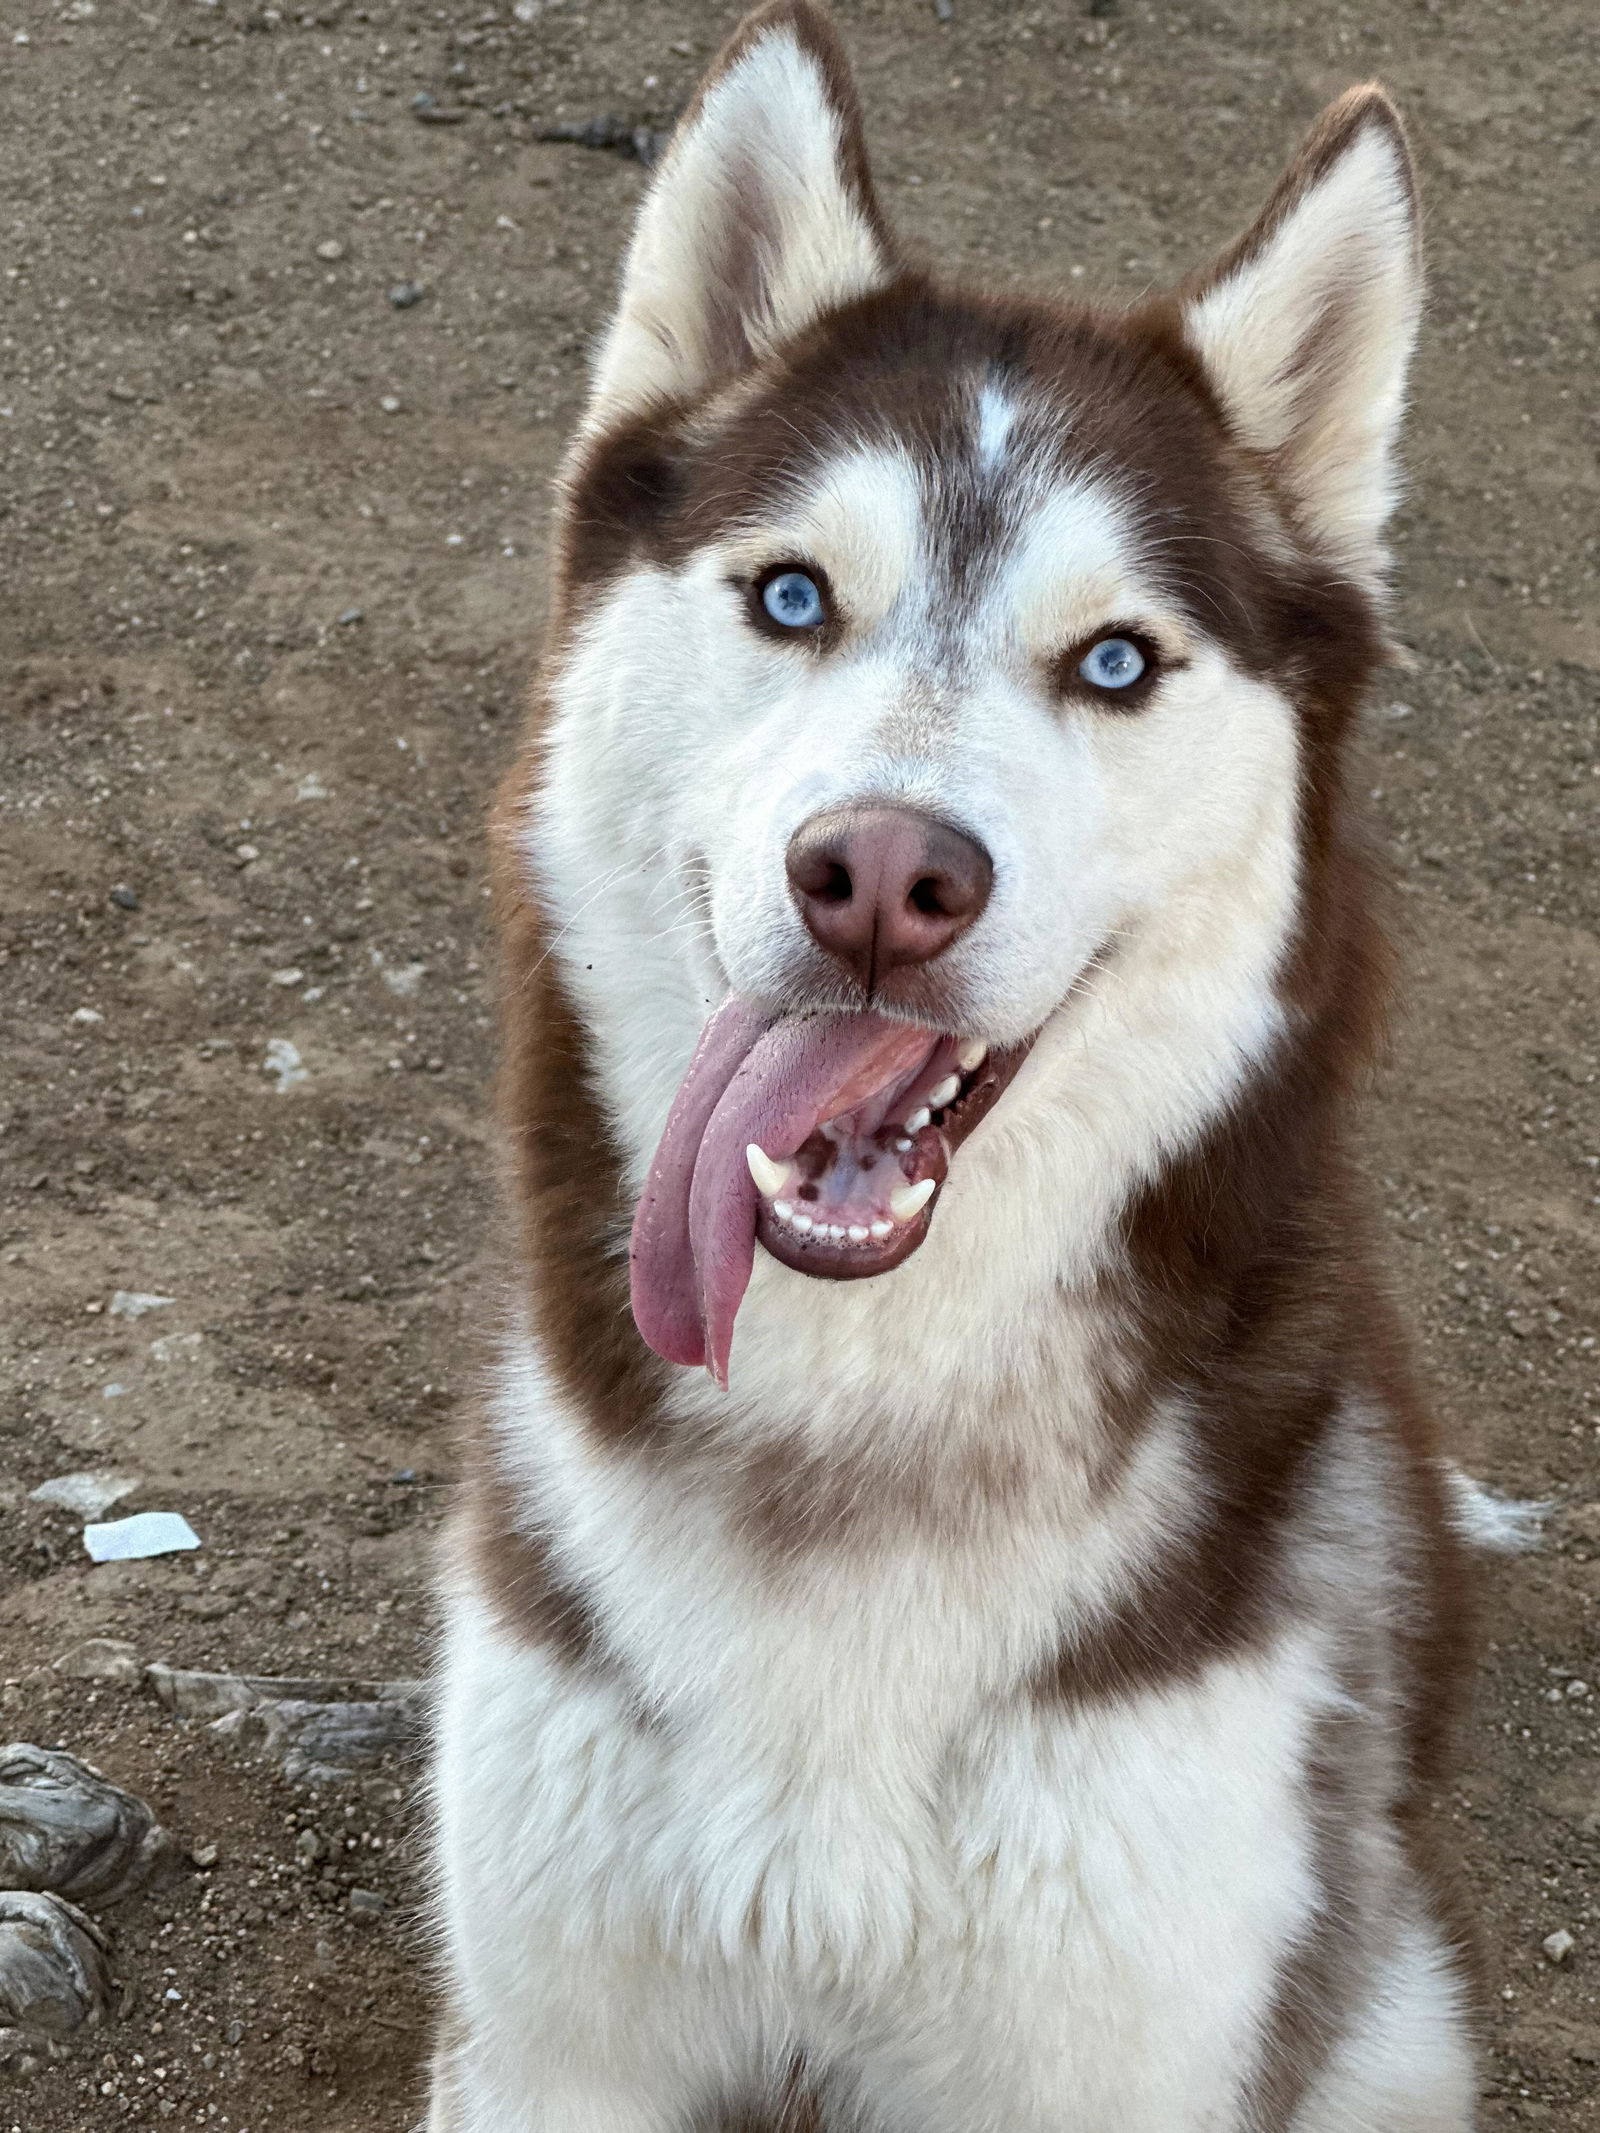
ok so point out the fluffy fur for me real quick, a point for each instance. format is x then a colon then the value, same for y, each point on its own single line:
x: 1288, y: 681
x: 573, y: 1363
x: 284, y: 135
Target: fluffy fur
x: 1015, y: 1702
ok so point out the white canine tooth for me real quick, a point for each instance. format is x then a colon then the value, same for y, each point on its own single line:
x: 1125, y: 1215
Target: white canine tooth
x: 881, y: 1229
x: 947, y: 1090
x: 770, y: 1177
x: 782, y: 1209
x: 972, y: 1055
x: 857, y: 1234
x: 907, y: 1201
x: 802, y: 1223
x: 917, y: 1120
x: 902, y: 1147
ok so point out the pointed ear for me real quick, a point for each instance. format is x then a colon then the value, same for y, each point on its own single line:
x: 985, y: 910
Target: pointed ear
x: 760, y: 218
x: 1306, y: 324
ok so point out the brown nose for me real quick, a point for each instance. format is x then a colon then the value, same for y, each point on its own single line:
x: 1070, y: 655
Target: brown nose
x: 882, y: 887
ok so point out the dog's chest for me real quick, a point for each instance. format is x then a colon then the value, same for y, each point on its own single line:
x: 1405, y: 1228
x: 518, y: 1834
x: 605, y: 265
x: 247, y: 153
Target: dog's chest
x: 865, y: 1793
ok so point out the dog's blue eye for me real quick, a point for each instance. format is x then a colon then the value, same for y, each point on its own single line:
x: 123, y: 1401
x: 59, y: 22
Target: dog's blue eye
x: 794, y: 600
x: 1113, y: 663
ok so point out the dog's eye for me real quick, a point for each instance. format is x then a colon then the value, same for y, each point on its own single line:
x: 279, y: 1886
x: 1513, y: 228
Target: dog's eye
x: 794, y: 600
x: 1113, y: 663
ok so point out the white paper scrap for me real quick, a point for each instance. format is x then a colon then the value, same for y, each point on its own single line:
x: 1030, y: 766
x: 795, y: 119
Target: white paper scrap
x: 126, y: 1540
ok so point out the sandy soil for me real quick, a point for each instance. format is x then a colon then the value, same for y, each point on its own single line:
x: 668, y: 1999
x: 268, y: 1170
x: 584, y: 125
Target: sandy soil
x: 271, y: 550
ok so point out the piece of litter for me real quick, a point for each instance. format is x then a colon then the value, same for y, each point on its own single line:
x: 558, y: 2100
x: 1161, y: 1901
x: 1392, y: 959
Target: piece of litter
x: 283, y: 1063
x: 86, y: 1493
x: 87, y: 1014
x: 128, y: 1540
x: 133, y: 1303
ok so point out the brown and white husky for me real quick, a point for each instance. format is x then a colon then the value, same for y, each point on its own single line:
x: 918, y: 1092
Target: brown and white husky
x: 969, y: 1643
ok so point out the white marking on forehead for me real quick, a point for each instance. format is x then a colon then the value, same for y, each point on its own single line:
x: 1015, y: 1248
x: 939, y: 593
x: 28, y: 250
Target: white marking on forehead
x: 996, y: 420
x: 1076, y: 565
x: 860, y: 518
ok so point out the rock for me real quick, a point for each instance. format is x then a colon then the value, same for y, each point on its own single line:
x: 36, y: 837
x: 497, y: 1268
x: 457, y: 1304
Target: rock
x: 124, y: 898
x: 66, y: 1829
x: 87, y: 1493
x: 134, y: 1303
x: 319, y: 1743
x: 346, y: 619
x: 404, y: 294
x: 101, y: 1659
x: 189, y: 1693
x: 204, y: 1856
x: 366, y: 1904
x: 55, y: 1976
x: 427, y: 108
x: 1558, y: 1945
x: 622, y: 136
x: 330, y: 248
x: 283, y: 1064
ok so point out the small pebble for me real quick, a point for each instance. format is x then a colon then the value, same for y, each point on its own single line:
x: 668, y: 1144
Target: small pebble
x: 431, y: 112
x: 389, y: 404
x: 124, y: 898
x: 330, y: 249
x: 403, y: 294
x: 1558, y: 1945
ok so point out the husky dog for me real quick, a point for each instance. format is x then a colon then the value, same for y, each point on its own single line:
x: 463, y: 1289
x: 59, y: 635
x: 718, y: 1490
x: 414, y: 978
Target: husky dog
x: 955, y: 1627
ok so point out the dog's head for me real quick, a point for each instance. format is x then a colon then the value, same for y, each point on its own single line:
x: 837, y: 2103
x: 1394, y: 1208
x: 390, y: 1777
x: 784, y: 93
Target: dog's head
x: 927, y: 659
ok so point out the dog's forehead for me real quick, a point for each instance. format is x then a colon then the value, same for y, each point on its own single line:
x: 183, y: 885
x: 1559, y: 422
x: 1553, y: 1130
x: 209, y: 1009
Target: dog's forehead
x: 1031, y: 454
x: 979, y: 505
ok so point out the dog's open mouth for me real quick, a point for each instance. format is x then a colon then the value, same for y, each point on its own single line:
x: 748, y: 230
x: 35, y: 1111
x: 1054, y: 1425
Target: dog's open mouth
x: 828, y: 1137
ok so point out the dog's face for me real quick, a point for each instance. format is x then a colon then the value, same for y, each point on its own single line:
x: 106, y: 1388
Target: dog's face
x: 925, y: 653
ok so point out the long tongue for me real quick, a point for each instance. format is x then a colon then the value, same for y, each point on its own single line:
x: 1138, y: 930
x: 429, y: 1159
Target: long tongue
x: 751, y: 1079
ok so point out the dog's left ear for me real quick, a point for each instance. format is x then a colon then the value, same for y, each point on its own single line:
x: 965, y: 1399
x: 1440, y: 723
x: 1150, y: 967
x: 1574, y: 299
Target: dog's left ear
x: 1305, y: 327
x: 761, y: 218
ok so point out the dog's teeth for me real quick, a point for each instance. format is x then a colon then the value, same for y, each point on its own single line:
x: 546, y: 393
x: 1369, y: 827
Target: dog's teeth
x: 907, y: 1201
x: 836, y: 1232
x: 972, y: 1055
x: 902, y: 1147
x: 945, y: 1093
x: 858, y: 1235
x: 881, y: 1229
x: 770, y: 1177
x: 783, y: 1210
x: 802, y: 1223
x: 917, y: 1120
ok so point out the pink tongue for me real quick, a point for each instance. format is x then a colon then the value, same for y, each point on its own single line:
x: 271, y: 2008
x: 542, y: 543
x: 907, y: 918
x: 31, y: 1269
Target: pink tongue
x: 751, y: 1079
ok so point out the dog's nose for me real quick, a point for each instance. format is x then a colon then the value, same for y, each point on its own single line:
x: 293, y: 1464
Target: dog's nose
x: 883, y: 887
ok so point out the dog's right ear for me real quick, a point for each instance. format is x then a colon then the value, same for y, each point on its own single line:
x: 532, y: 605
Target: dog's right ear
x: 760, y: 218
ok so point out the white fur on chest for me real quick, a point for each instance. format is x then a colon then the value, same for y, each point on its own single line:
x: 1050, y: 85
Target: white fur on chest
x: 820, y: 1800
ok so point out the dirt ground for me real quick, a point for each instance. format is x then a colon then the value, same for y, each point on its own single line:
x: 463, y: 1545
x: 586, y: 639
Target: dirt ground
x: 271, y: 545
